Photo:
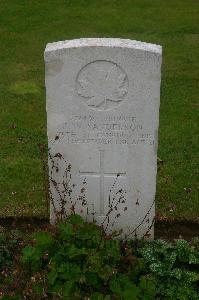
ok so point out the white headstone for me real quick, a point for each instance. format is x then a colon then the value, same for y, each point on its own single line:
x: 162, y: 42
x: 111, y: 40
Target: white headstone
x: 102, y: 119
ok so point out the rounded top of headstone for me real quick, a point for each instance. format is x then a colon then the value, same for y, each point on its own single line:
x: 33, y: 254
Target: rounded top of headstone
x: 103, y: 42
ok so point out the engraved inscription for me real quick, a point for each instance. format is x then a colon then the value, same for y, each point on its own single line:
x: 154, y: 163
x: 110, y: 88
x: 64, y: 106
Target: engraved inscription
x: 117, y: 129
x: 102, y: 84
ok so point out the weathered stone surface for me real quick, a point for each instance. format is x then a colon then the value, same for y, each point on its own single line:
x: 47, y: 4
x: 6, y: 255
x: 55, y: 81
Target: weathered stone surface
x: 102, y: 118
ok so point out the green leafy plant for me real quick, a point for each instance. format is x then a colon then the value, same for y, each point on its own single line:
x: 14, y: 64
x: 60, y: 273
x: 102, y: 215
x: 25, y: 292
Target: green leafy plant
x: 81, y: 261
x: 77, y: 260
x: 172, y: 267
x: 15, y: 297
x: 8, y: 248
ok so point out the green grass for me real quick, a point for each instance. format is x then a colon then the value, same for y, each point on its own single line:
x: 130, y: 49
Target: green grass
x: 26, y: 27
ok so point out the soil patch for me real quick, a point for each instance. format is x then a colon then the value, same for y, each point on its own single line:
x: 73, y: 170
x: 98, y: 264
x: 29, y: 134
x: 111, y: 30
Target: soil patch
x: 164, y: 230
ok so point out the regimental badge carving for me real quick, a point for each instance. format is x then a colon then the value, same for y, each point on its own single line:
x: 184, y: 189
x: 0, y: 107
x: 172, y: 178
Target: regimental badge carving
x: 102, y: 84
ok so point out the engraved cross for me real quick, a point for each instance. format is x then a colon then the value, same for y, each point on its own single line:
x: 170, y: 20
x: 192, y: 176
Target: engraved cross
x: 102, y: 176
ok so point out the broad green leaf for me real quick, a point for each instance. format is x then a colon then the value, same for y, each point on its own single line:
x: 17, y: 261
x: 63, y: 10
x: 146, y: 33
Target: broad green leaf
x: 65, y: 230
x: 194, y: 258
x: 130, y: 293
x: 68, y: 288
x: 44, y: 239
x: 83, y: 233
x: 30, y: 254
x: 75, y: 219
x: 15, y: 297
x: 147, y: 289
x: 99, y: 296
x: 115, y: 286
x: 52, y: 276
x: 92, y: 279
x: 73, y: 252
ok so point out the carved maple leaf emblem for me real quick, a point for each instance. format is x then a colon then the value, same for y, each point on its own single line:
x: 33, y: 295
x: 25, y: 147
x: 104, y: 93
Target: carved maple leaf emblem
x: 102, y: 83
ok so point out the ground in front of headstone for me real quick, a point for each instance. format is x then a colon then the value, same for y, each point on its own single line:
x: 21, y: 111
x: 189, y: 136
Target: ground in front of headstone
x: 166, y: 230
x: 76, y: 260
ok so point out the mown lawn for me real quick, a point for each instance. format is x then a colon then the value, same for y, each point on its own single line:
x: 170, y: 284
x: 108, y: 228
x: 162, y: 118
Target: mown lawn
x: 26, y: 27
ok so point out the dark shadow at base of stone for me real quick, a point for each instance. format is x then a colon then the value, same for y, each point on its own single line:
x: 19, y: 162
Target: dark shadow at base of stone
x: 24, y: 223
x: 175, y: 230
x: 163, y: 230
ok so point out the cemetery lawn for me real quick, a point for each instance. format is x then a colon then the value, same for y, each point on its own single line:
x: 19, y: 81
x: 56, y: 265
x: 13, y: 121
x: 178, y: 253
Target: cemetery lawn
x: 27, y: 26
